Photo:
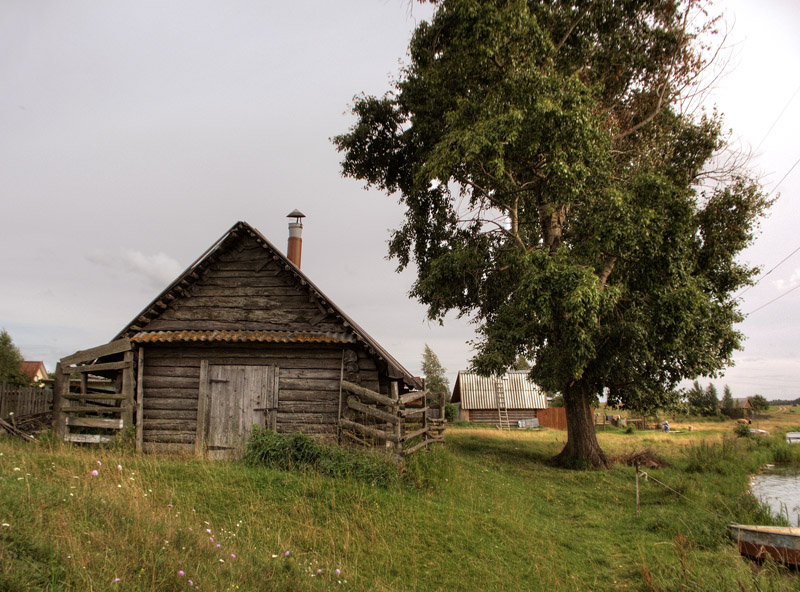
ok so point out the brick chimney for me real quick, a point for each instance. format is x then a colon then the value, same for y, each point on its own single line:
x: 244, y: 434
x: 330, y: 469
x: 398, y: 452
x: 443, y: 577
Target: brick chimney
x: 295, y: 249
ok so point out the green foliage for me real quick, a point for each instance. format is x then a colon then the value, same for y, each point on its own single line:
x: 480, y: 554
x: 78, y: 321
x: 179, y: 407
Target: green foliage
x: 451, y: 412
x: 742, y: 430
x: 299, y: 452
x: 552, y: 185
x: 759, y: 403
x: 702, y: 402
x: 556, y: 401
x: 11, y: 362
x: 435, y: 379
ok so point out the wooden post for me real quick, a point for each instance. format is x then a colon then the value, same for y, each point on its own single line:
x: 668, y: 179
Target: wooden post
x: 425, y: 435
x: 394, y: 393
x: 140, y: 401
x: 128, y: 391
x: 60, y: 388
x: 202, y: 406
x: 636, y: 466
x: 339, y: 416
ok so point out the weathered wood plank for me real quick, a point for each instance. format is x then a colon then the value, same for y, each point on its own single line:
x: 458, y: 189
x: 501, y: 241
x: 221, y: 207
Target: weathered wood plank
x: 87, y: 355
x: 411, y: 397
x: 367, y: 394
x: 88, y: 438
x: 346, y: 423
x: 100, y: 367
x: 95, y: 422
x: 201, y: 428
x: 140, y: 399
x: 170, y: 382
x: 414, y: 411
x: 155, y: 414
x: 355, y: 404
x: 414, y: 434
x: 94, y: 397
x: 422, y: 444
x: 168, y: 436
x: 171, y: 404
x: 92, y: 408
x: 293, y: 324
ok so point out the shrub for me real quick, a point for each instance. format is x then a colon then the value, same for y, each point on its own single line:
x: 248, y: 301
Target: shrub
x: 631, y: 429
x: 451, y: 412
x: 298, y: 451
x: 742, y: 430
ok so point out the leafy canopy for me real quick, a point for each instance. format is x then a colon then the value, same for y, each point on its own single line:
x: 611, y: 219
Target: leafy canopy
x: 11, y: 362
x: 557, y: 194
x: 435, y: 375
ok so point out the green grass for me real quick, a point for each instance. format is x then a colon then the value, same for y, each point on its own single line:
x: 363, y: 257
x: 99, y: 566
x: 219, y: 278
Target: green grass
x: 487, y: 512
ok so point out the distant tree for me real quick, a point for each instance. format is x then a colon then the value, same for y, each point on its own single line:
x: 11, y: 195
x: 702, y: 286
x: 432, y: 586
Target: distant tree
x: 728, y: 407
x: 556, y: 401
x: 520, y: 364
x: 759, y: 403
x: 11, y: 362
x: 702, y: 401
x: 435, y: 379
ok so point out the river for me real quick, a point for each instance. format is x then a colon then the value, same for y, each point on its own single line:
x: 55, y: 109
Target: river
x: 780, y: 488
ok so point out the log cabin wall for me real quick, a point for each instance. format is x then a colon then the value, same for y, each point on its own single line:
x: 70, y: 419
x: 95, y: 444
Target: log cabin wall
x: 490, y: 416
x: 308, y: 387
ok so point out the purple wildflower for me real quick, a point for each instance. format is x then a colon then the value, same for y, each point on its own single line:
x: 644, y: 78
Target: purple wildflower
x: 180, y: 573
x: 95, y: 473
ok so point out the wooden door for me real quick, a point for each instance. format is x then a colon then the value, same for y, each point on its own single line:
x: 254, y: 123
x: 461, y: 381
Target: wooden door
x: 238, y: 397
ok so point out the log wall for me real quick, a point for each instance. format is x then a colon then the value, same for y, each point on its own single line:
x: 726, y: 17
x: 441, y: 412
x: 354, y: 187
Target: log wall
x: 244, y: 288
x: 490, y: 416
x: 308, y: 391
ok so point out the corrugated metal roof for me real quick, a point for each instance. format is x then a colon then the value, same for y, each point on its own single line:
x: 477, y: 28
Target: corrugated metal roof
x: 241, y: 336
x: 478, y: 392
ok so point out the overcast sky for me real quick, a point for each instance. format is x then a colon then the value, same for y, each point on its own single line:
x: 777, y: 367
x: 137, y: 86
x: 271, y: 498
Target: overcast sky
x: 134, y: 134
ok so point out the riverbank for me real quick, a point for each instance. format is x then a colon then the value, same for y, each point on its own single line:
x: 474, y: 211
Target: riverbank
x: 490, y: 514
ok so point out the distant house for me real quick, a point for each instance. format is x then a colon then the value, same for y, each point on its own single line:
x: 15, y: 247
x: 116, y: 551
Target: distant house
x: 745, y: 405
x: 476, y: 397
x: 34, y: 370
x: 241, y: 338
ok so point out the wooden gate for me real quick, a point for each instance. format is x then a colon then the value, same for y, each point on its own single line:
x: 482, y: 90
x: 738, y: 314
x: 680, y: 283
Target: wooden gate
x: 97, y: 413
x: 232, y: 400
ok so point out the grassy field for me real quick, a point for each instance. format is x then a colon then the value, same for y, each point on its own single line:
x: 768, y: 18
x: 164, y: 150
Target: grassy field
x: 486, y: 512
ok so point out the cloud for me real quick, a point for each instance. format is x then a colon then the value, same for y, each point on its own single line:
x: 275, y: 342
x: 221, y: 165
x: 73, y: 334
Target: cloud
x: 156, y: 270
x: 783, y: 284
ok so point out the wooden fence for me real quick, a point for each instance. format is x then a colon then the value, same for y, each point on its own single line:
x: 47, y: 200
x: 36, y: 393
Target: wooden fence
x: 25, y: 400
x: 553, y: 417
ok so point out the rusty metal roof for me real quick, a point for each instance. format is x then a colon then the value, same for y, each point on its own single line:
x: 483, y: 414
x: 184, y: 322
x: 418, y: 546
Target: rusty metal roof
x: 241, y: 336
x: 478, y: 392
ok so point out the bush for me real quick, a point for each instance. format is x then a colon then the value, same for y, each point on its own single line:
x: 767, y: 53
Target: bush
x: 297, y: 451
x: 451, y: 412
x: 742, y: 430
x: 631, y: 429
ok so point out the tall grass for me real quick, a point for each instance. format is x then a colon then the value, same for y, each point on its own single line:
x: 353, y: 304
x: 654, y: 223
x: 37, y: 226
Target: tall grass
x: 487, y: 512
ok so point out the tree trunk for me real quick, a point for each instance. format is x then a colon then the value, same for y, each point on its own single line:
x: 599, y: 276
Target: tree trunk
x: 582, y: 449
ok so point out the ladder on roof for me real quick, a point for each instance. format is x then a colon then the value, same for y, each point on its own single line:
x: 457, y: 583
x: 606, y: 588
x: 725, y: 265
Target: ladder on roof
x: 502, y: 409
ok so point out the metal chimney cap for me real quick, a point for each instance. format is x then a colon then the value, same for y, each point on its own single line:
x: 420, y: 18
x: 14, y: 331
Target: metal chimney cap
x: 296, y: 214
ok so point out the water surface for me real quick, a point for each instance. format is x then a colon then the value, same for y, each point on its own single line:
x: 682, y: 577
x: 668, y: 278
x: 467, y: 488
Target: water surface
x: 780, y: 488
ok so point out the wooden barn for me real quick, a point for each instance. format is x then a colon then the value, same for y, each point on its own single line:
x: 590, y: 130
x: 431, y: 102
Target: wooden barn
x: 243, y: 337
x: 498, y: 401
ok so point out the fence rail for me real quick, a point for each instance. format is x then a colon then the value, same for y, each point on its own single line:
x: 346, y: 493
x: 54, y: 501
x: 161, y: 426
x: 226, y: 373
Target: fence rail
x: 21, y: 401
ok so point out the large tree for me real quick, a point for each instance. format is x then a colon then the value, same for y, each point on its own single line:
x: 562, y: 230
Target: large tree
x: 558, y: 195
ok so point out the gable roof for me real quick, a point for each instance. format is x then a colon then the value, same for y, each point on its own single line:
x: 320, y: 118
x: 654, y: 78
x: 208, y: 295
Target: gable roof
x: 478, y: 392
x: 33, y: 369
x: 136, y: 330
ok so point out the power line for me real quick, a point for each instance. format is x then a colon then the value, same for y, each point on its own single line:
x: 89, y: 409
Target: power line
x: 776, y: 266
x: 774, y: 123
x: 773, y: 300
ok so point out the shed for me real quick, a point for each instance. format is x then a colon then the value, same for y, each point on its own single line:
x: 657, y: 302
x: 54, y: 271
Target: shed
x: 477, y: 397
x: 242, y: 337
